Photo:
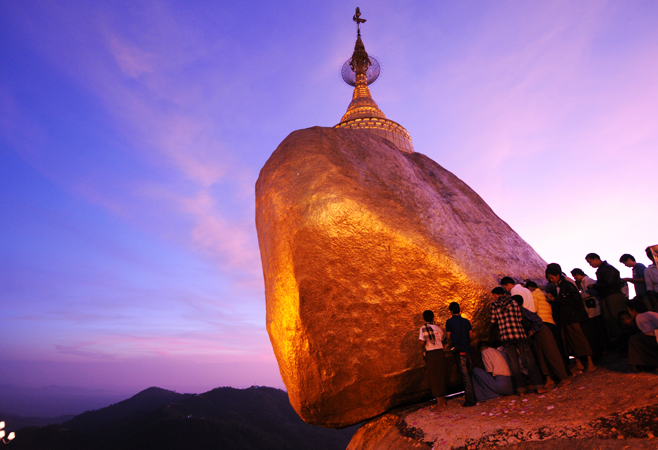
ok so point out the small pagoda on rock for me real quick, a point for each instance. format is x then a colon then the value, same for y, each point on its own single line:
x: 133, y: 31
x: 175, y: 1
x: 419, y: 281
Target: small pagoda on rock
x: 363, y: 113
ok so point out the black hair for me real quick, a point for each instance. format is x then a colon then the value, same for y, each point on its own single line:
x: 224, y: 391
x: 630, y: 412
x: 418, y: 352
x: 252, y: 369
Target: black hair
x: 621, y: 314
x: 428, y: 316
x: 498, y: 291
x: 530, y: 284
x: 550, y: 289
x: 625, y: 257
x: 649, y: 254
x: 580, y: 272
x: 554, y: 269
x: 518, y: 299
x: 506, y: 280
x: 592, y: 256
x: 483, y: 344
x: 454, y: 308
x: 637, y: 304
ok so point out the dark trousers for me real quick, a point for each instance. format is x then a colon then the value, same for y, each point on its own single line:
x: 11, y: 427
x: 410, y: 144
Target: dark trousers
x: 646, y: 300
x: 643, y: 350
x: 522, y: 349
x: 487, y: 386
x: 577, y: 343
x: 548, y: 354
x: 436, y: 372
x: 557, y: 335
x: 651, y: 300
x: 611, y: 306
x: 595, y: 333
x: 465, y: 367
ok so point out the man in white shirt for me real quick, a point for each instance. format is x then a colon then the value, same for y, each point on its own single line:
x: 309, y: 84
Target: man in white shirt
x: 496, y: 380
x: 494, y: 361
x: 643, y: 347
x: 651, y: 281
x: 516, y: 289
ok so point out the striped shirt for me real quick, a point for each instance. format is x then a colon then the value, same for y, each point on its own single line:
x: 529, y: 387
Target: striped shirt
x: 507, y: 314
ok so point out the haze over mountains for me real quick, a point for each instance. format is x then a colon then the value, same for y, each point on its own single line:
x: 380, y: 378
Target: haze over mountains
x: 53, y: 401
x: 227, y: 418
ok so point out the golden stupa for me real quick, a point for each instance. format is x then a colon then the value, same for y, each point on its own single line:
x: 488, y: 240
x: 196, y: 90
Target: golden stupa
x: 358, y: 235
x: 363, y: 113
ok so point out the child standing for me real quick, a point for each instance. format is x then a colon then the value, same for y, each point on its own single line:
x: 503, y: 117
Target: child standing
x: 460, y: 332
x: 431, y: 337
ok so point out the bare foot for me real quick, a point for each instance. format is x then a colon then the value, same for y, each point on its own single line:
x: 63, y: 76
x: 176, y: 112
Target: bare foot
x: 440, y: 405
x: 563, y: 383
x: 591, y: 368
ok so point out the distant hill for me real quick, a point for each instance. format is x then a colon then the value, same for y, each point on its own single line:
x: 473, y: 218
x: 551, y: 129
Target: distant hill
x: 258, y: 418
x: 106, y: 418
x: 17, y: 422
x: 54, y: 401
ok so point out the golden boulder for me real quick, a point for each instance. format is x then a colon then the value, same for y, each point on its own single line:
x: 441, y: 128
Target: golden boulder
x: 358, y: 238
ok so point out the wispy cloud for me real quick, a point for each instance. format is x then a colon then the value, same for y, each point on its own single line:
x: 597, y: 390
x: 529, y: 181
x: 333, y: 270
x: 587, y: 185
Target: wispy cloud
x: 234, y: 240
x: 168, y: 117
x: 133, y: 136
x: 83, y: 350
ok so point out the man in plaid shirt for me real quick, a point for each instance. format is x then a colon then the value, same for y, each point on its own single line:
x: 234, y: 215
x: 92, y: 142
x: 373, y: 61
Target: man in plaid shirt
x: 507, y: 314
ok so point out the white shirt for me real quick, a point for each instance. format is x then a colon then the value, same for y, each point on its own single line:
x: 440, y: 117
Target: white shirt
x: 494, y: 362
x: 438, y: 337
x: 528, y: 301
x: 651, y: 278
x: 585, y: 283
x: 647, y: 322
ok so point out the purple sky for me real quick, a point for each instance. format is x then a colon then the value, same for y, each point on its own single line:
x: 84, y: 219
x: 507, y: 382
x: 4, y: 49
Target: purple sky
x: 132, y: 133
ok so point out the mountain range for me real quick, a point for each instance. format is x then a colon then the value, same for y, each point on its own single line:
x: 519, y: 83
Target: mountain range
x: 224, y: 418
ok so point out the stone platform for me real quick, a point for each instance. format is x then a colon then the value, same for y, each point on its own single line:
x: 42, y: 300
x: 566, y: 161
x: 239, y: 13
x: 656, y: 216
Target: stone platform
x: 608, y: 409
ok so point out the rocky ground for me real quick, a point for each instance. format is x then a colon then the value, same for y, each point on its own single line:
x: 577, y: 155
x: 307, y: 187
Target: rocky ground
x: 611, y: 408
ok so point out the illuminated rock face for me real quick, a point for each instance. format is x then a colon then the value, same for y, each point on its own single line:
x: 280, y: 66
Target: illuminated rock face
x: 358, y: 238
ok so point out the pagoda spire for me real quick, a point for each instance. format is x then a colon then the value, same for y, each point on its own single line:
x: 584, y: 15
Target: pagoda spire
x: 363, y: 112
x: 362, y: 105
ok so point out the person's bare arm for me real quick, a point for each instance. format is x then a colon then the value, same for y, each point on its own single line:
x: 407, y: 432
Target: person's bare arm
x: 633, y: 280
x: 446, y: 339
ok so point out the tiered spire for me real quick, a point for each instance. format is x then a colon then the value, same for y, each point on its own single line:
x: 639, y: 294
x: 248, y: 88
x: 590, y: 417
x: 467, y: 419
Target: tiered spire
x: 363, y: 113
x: 362, y: 104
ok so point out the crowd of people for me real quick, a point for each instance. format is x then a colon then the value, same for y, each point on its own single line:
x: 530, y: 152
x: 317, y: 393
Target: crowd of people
x: 543, y: 335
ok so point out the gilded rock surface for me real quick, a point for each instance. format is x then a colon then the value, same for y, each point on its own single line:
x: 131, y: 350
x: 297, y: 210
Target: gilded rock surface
x: 358, y: 238
x: 385, y: 433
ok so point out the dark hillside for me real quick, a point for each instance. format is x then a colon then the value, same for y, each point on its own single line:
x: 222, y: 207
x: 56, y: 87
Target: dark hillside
x: 257, y: 418
x: 145, y: 401
x: 18, y: 422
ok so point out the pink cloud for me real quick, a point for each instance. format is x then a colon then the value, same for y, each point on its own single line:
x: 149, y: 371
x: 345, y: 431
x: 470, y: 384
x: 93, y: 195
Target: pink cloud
x: 83, y: 350
x: 166, y: 115
x: 235, y: 240
x: 132, y: 60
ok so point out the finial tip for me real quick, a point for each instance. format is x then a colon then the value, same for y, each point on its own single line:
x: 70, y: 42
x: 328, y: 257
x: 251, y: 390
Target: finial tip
x: 357, y: 17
